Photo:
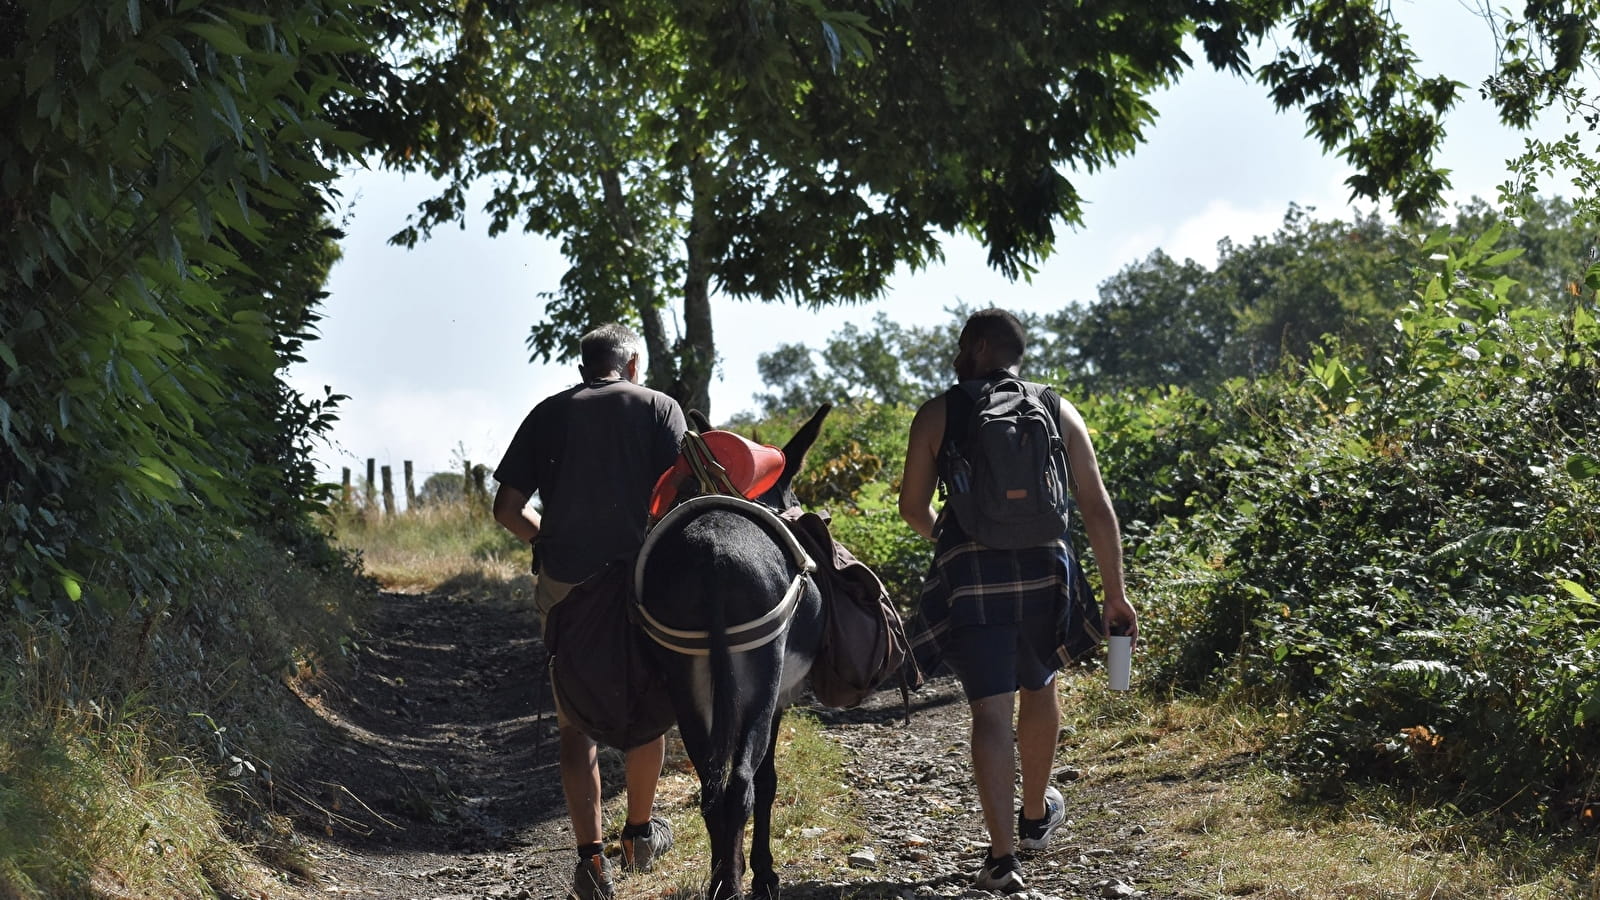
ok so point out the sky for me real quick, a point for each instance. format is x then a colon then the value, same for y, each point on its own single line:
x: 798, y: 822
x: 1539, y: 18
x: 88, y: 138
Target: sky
x: 429, y: 343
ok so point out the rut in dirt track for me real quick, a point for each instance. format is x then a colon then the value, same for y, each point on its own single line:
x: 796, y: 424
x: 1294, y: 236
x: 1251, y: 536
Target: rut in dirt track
x: 438, y: 774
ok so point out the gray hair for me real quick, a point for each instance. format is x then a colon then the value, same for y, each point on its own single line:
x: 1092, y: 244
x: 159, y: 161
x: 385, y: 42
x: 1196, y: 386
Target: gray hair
x: 608, y: 348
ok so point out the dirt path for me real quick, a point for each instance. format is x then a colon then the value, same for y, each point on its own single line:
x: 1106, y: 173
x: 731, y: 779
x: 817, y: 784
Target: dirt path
x: 437, y: 779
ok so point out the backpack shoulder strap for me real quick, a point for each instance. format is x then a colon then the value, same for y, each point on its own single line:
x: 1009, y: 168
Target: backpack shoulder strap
x: 958, y: 407
x: 1051, y: 400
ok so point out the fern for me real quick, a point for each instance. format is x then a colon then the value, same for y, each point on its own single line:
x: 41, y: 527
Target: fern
x: 1472, y: 546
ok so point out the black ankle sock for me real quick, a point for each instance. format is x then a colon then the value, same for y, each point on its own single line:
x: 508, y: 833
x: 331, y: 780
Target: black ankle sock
x: 637, y: 831
x: 1007, y: 862
x: 587, y: 850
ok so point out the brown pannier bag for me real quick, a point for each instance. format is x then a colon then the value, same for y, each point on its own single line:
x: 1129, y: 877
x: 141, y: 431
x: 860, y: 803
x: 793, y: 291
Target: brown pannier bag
x: 863, y: 639
x: 600, y: 670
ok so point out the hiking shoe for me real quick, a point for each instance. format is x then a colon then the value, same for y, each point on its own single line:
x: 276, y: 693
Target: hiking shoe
x: 1001, y: 876
x: 1034, y: 834
x: 593, y: 881
x: 639, y: 850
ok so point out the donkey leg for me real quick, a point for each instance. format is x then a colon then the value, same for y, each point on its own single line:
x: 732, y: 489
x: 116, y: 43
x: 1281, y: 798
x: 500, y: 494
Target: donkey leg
x: 764, y: 883
x: 727, y: 852
x: 727, y: 863
x: 725, y: 826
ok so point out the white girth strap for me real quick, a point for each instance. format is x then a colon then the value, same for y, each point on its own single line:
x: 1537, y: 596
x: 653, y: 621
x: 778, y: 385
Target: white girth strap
x: 745, y: 636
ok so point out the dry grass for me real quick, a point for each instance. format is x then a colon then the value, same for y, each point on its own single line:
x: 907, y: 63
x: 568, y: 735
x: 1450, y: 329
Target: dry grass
x: 1192, y: 771
x: 123, y: 742
x: 101, y: 809
x: 93, y: 802
x: 428, y: 546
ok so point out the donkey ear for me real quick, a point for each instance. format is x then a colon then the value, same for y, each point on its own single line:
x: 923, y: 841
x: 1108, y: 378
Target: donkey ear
x: 794, y: 452
x: 698, y: 421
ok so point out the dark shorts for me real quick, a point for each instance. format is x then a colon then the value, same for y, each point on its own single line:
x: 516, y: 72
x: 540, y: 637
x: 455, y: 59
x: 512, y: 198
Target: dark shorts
x: 999, y: 659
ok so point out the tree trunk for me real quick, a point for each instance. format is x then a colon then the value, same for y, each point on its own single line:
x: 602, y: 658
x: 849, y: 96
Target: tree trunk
x: 697, y: 354
x: 662, y: 369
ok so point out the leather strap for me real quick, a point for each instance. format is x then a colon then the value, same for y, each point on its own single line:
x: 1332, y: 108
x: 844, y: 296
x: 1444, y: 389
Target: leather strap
x: 747, y: 635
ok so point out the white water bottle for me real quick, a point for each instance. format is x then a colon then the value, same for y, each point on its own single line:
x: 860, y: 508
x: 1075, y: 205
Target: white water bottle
x: 1119, y: 661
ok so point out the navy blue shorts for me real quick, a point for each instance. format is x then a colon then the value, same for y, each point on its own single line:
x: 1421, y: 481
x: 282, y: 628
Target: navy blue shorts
x: 1000, y: 659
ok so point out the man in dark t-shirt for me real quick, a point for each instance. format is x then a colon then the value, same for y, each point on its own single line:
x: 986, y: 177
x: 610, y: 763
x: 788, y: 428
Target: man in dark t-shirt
x: 593, y: 453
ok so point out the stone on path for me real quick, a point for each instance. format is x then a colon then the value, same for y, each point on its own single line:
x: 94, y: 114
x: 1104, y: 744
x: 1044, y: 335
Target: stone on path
x: 1114, y: 887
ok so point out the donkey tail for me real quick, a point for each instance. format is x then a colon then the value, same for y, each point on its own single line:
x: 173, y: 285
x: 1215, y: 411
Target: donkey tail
x: 724, y: 700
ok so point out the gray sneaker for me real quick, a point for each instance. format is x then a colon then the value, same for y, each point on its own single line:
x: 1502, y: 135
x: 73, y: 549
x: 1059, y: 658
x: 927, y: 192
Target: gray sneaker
x: 1034, y: 834
x: 592, y: 880
x: 1000, y: 876
x: 639, y: 852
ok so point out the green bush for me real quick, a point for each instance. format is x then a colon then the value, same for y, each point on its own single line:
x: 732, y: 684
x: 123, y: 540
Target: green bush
x: 873, y: 530
x: 1406, y: 555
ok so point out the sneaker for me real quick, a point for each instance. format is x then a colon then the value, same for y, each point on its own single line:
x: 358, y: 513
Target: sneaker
x: 593, y: 881
x: 1034, y: 834
x: 639, y: 851
x: 1001, y: 876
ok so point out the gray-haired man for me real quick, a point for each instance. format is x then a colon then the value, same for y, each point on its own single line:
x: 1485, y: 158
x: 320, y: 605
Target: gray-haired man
x: 593, y: 453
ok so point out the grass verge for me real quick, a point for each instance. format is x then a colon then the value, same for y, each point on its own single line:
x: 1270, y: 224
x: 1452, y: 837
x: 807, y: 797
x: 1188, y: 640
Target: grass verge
x: 430, y: 545
x: 1192, y: 772
x: 138, y: 750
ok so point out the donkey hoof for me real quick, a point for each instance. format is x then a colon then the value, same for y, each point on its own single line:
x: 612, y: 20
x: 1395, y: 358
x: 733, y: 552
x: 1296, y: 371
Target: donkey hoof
x: 764, y: 887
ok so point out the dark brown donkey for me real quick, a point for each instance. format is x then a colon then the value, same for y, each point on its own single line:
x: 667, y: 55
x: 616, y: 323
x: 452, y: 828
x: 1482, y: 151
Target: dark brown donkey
x: 736, y: 621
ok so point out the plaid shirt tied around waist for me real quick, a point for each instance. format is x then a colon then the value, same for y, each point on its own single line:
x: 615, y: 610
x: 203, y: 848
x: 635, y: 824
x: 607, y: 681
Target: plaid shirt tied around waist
x: 970, y: 584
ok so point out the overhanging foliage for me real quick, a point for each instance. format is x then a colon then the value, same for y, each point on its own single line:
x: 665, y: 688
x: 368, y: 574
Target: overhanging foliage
x: 165, y: 251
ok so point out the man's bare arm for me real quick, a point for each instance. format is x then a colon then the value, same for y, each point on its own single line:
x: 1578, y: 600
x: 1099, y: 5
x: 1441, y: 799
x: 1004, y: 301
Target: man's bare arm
x: 512, y: 511
x: 921, y: 475
x: 1099, y: 521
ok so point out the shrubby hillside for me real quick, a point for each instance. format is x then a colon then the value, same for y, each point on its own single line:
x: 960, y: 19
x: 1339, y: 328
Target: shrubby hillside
x: 1393, y: 543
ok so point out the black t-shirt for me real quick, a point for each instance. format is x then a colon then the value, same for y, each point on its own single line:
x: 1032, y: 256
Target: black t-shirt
x: 593, y: 453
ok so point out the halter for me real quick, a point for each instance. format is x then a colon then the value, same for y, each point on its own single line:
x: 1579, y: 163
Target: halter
x: 748, y: 635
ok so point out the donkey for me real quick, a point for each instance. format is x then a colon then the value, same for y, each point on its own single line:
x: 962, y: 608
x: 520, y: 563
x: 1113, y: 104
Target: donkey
x: 727, y: 589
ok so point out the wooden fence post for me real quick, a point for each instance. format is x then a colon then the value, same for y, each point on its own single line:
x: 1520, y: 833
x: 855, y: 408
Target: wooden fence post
x: 348, y: 496
x: 372, y: 484
x: 466, y: 480
x: 478, y: 487
x: 388, y: 492
x: 411, y: 492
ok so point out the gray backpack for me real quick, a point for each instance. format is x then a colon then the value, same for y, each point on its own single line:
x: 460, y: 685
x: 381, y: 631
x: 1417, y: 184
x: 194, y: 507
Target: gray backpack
x: 1003, y: 467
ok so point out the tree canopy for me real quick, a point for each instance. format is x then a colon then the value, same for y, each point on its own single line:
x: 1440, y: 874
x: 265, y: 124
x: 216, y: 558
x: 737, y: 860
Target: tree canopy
x: 1548, y: 60
x: 801, y: 152
x: 1161, y: 322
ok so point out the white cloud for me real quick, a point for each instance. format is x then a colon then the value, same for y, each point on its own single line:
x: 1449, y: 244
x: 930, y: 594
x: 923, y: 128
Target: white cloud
x: 1196, y: 237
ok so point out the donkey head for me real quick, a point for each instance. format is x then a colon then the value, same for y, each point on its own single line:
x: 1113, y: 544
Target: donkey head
x: 781, y: 495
